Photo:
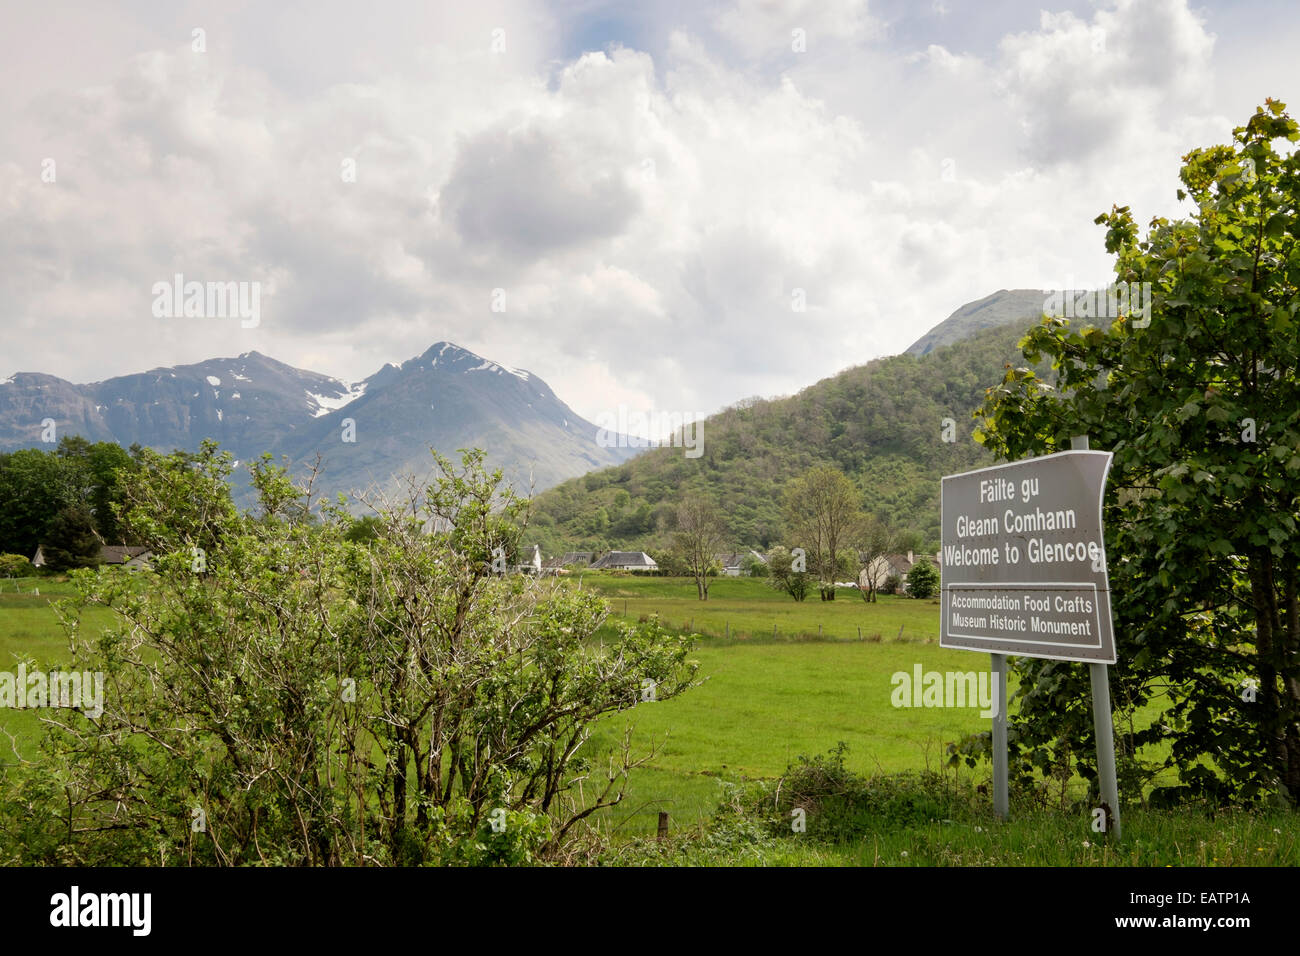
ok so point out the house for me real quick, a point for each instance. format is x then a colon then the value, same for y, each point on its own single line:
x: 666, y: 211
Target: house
x: 128, y: 556
x: 879, y: 570
x: 533, y: 565
x: 569, y: 559
x: 733, y: 565
x: 626, y: 561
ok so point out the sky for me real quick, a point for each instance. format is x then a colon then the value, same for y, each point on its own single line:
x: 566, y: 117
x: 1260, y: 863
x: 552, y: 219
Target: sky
x: 668, y: 206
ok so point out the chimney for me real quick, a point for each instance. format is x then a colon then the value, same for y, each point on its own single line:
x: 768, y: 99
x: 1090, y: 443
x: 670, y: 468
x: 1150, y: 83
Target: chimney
x: 910, y: 559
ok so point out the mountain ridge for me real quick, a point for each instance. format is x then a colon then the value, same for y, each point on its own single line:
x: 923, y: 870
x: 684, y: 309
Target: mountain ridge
x: 447, y: 398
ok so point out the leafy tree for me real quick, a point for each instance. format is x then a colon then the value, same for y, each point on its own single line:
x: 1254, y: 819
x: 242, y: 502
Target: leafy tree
x: 671, y: 562
x: 33, y: 490
x: 922, y: 579
x: 363, y: 529
x: 15, y: 566
x: 754, y: 566
x: 700, y: 534
x: 1201, y: 409
x: 788, y: 573
x: 70, y: 540
x: 92, y: 474
x: 873, y: 540
x: 821, y: 512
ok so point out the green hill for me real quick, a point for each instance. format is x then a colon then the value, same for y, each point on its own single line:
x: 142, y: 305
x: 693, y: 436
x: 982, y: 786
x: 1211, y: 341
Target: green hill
x: 881, y: 423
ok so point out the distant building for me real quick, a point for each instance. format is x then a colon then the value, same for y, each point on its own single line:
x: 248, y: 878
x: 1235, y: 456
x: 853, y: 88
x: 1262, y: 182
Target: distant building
x: 128, y: 556
x: 626, y: 561
x: 534, y: 563
x: 882, y: 567
x: 733, y: 564
x: 570, y: 559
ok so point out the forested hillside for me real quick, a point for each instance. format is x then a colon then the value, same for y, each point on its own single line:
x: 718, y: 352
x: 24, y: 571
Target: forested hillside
x: 881, y: 423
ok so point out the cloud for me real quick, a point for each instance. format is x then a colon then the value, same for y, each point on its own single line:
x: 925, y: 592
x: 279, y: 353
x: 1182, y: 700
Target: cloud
x: 720, y: 219
x: 530, y: 191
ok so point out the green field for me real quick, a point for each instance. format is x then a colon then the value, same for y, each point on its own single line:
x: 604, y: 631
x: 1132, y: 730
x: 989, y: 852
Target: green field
x: 765, y: 700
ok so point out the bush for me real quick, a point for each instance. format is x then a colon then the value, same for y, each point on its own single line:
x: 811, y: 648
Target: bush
x: 891, y: 585
x: 839, y: 805
x: 15, y: 566
x: 923, y: 580
x: 318, y: 701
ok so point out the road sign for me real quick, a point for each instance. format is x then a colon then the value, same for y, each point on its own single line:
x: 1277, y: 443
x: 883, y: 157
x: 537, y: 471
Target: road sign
x: 1024, y: 561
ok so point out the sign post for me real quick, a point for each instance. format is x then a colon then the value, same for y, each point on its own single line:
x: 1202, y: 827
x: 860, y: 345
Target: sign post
x: 1001, y: 792
x: 1024, y: 572
x: 1103, y: 727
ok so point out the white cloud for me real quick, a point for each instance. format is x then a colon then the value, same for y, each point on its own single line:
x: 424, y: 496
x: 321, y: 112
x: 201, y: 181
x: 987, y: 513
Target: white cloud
x: 648, y: 217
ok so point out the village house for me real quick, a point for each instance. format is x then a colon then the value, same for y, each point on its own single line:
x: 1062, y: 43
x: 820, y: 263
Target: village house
x: 570, y: 559
x: 878, y: 571
x: 533, y: 564
x: 733, y: 565
x: 128, y: 556
x: 626, y: 561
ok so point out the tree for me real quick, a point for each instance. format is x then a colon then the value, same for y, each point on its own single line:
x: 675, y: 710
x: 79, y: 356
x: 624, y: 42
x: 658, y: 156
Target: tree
x: 753, y: 566
x: 788, y: 573
x: 873, y: 540
x: 923, y: 579
x: 15, y: 566
x: 821, y: 509
x: 70, y: 540
x: 700, y: 534
x: 33, y: 490
x: 1199, y: 401
x: 363, y: 529
x: 317, y: 701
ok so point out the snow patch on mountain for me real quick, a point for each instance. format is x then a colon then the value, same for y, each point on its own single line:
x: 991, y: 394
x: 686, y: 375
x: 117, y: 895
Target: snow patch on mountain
x: 498, y: 367
x: 324, y: 404
x: 213, y: 380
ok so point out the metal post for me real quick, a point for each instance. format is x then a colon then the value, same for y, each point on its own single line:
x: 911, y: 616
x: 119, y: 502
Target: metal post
x: 1102, y: 726
x: 1001, y: 802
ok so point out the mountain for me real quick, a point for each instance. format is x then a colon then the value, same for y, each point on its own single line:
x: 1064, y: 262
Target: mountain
x: 1024, y: 306
x: 448, y: 398
x: 881, y: 423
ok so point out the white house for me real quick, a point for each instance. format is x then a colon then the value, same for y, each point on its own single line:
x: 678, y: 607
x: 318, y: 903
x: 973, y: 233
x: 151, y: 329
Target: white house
x: 875, y: 573
x: 533, y: 565
x: 733, y: 565
x: 626, y: 561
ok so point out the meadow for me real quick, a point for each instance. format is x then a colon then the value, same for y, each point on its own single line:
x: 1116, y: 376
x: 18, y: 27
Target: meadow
x: 764, y: 700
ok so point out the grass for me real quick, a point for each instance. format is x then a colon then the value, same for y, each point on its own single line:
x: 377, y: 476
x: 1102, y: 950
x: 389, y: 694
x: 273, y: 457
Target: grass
x: 1151, y: 839
x: 29, y: 630
x: 766, y: 700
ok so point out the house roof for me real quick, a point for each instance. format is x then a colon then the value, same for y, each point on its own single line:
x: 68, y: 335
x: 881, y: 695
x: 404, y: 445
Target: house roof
x: 625, y: 559
x: 120, y: 553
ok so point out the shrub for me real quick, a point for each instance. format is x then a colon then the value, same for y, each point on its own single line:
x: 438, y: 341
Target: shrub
x: 15, y: 566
